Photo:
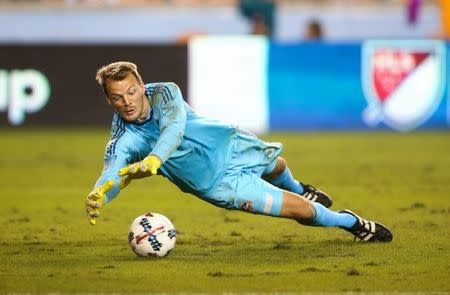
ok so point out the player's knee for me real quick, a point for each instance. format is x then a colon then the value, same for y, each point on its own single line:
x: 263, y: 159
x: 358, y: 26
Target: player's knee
x: 281, y: 165
x: 278, y: 170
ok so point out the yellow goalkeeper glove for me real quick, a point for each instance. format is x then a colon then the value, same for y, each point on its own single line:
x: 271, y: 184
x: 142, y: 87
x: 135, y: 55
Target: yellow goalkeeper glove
x: 125, y: 180
x: 150, y: 164
x: 96, y: 199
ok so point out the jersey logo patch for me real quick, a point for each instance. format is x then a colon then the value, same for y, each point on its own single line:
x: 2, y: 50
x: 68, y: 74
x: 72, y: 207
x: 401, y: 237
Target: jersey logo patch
x: 167, y: 111
x: 247, y: 206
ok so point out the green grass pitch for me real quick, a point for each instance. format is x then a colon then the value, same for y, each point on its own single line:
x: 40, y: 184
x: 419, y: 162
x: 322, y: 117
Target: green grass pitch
x: 47, y: 244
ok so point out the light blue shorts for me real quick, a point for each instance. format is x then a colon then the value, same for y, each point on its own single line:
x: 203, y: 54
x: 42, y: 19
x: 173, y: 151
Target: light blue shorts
x: 242, y: 187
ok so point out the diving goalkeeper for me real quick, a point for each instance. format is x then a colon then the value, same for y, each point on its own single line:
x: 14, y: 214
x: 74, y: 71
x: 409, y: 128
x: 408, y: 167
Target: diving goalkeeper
x: 154, y: 132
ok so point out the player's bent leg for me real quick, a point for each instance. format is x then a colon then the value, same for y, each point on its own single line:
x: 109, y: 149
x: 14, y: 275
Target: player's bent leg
x: 280, y: 175
x: 252, y: 194
x: 255, y: 195
x: 315, y: 214
x: 258, y: 196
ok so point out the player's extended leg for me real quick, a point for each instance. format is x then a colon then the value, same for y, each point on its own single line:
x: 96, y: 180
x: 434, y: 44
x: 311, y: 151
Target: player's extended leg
x: 280, y: 175
x: 315, y: 214
x: 248, y: 192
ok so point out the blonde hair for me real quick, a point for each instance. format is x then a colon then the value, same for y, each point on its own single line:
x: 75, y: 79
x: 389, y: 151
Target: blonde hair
x: 116, y: 71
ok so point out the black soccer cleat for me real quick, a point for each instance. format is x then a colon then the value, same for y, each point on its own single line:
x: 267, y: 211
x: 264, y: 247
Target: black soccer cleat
x: 368, y: 231
x: 315, y: 195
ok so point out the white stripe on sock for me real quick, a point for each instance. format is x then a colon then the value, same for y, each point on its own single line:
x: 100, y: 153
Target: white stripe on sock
x: 268, y: 204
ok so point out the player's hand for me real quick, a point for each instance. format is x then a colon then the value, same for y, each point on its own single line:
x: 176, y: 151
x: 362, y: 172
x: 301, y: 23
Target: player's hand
x: 150, y: 164
x: 95, y: 201
x: 126, y: 179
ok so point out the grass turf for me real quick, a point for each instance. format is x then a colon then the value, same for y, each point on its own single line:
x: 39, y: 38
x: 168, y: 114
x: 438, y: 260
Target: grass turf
x: 47, y: 245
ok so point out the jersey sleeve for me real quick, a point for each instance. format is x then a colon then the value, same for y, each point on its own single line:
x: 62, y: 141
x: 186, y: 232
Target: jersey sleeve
x: 168, y: 106
x: 116, y: 157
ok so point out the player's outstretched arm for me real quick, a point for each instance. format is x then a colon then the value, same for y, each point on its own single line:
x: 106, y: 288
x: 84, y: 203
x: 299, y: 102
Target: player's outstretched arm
x: 109, y: 184
x: 96, y: 199
x: 168, y: 106
x: 171, y: 111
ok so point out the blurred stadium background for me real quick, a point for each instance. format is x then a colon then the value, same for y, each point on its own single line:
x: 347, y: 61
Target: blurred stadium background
x: 357, y: 90
x: 299, y: 64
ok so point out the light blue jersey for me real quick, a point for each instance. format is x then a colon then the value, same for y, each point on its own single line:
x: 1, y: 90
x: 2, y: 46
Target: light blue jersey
x: 198, y: 154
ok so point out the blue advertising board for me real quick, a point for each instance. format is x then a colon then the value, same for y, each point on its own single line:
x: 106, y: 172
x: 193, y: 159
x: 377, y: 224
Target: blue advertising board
x: 401, y: 85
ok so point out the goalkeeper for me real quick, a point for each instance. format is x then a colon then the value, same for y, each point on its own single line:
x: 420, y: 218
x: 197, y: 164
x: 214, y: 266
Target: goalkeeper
x: 154, y: 132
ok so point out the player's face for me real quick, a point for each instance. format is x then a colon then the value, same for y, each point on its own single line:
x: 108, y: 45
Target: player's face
x: 128, y: 98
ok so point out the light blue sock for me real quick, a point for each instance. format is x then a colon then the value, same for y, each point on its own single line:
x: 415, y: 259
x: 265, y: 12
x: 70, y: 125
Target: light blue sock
x: 287, y: 182
x: 327, y: 218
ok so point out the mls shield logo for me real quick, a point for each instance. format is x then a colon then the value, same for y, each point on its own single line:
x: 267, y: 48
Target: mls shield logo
x: 403, y: 82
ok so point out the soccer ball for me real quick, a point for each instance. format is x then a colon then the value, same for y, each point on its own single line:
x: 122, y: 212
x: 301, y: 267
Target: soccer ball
x: 152, y: 235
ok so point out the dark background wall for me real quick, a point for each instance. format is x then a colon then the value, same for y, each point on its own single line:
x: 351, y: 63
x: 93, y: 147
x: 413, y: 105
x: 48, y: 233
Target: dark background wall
x: 75, y: 97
